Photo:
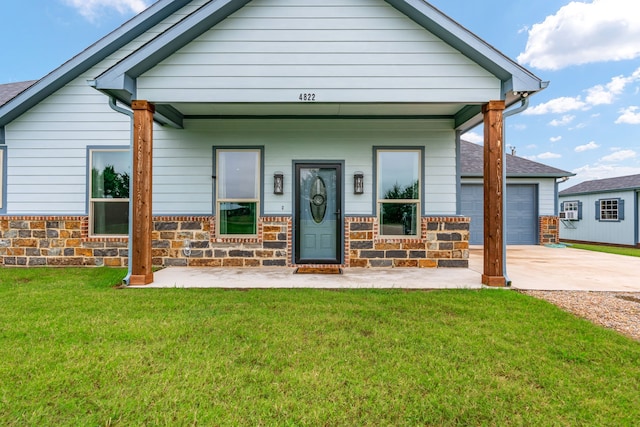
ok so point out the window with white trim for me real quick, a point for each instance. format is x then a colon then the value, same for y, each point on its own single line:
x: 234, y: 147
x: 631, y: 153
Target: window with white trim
x: 398, y: 192
x: 237, y: 191
x: 609, y: 210
x: 570, y: 206
x: 109, y: 175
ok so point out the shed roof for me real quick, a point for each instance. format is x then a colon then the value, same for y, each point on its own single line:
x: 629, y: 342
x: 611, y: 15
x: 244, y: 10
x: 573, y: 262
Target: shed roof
x: 9, y: 91
x: 629, y: 182
x: 472, y: 164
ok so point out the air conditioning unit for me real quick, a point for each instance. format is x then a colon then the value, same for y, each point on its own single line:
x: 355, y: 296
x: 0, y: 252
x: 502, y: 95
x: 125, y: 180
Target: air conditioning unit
x: 570, y: 215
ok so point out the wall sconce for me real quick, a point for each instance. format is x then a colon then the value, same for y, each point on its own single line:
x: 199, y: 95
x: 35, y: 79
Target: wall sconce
x: 278, y: 183
x: 186, y: 248
x: 358, y: 183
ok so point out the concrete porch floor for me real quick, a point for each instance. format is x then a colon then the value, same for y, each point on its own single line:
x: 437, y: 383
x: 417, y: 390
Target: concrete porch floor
x: 528, y: 267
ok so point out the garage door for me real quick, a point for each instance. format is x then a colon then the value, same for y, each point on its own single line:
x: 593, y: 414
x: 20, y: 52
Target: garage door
x: 522, y: 218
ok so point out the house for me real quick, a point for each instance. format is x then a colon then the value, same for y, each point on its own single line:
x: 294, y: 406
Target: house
x: 259, y: 133
x: 602, y: 211
x: 531, y: 199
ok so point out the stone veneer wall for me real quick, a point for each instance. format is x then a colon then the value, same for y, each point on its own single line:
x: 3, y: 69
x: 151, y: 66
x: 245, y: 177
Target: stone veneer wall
x: 192, y: 241
x: 549, y: 229
x: 443, y: 242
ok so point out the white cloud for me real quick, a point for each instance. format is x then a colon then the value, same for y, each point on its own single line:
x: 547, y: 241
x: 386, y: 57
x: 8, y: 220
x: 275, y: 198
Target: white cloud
x: 586, y: 147
x: 629, y: 116
x: 581, y: 33
x: 473, y: 137
x: 597, y: 95
x: 557, y: 106
x: 565, y: 120
x: 618, y: 156
x: 555, y: 138
x: 91, y: 9
x: 546, y: 156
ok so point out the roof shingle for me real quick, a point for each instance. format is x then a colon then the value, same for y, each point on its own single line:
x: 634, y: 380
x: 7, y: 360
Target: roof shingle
x: 629, y: 182
x: 472, y: 164
x: 11, y: 90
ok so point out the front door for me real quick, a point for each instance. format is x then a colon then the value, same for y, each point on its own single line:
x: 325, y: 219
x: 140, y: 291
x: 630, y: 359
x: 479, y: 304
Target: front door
x: 318, y: 213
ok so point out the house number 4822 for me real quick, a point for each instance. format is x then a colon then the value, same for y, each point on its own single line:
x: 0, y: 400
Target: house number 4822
x: 307, y: 97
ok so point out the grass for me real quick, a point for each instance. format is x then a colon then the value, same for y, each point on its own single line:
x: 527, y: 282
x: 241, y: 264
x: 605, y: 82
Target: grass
x: 607, y: 249
x: 76, y: 351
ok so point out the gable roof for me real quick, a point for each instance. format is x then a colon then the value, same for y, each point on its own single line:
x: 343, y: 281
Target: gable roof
x: 472, y: 164
x: 629, y: 182
x: 517, y: 83
x: 95, y: 53
x: 119, y: 80
x: 11, y: 90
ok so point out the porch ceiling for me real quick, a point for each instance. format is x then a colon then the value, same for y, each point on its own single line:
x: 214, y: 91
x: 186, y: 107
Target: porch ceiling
x: 206, y: 110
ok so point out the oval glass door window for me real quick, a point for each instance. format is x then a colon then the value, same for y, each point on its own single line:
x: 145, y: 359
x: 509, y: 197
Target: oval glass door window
x: 318, y: 199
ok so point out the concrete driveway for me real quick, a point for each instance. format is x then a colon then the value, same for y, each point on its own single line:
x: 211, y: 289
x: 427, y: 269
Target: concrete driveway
x: 547, y: 268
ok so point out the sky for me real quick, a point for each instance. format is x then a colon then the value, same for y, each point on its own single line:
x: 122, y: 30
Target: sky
x: 587, y: 121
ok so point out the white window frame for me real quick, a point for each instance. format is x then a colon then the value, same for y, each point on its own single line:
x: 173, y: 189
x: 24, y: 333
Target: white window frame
x: 570, y: 205
x: 609, y: 213
x: 93, y: 200
x: 257, y: 185
x: 380, y: 201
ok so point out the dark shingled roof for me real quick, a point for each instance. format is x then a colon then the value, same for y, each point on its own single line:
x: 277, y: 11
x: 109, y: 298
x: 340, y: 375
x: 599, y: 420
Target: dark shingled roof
x: 11, y: 90
x: 629, y: 182
x: 472, y: 164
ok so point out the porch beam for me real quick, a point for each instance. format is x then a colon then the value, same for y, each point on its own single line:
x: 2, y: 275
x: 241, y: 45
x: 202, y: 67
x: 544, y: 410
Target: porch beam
x: 142, y: 221
x: 493, y: 274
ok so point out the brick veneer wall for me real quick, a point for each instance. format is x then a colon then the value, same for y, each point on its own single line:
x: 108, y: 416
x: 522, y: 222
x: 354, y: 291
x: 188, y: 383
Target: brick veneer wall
x: 549, y: 230
x: 65, y: 241
x: 443, y: 242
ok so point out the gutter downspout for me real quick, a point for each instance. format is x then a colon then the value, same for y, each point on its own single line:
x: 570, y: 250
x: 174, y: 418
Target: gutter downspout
x: 520, y: 109
x: 116, y: 108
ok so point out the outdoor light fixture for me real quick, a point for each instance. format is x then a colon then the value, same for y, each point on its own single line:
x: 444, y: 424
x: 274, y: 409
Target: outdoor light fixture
x: 278, y: 183
x: 358, y: 183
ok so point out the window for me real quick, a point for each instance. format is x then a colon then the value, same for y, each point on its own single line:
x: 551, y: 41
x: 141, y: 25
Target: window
x: 399, y: 189
x: 109, y: 192
x: 570, y: 206
x: 238, y: 191
x: 571, y: 210
x: 610, y: 210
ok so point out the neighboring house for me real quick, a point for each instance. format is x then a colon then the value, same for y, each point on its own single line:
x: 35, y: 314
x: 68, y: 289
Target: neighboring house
x: 532, y: 193
x: 258, y: 133
x: 602, y: 211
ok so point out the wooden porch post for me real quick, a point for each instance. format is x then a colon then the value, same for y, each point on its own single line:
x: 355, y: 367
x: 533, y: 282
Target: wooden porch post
x: 142, y: 221
x: 493, y: 274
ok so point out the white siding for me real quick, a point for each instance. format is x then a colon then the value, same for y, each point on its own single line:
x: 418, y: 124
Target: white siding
x: 183, y: 160
x: 47, y: 146
x: 341, y: 51
x: 591, y: 230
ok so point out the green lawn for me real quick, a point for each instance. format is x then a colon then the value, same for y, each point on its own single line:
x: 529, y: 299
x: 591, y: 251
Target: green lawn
x: 76, y: 351
x: 608, y: 249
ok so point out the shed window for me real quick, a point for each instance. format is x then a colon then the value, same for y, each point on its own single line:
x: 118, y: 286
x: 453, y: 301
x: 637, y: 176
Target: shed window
x: 398, y: 182
x: 237, y: 191
x: 109, y: 192
x: 610, y: 210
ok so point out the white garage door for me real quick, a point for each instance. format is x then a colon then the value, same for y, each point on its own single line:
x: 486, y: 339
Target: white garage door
x: 522, y: 218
